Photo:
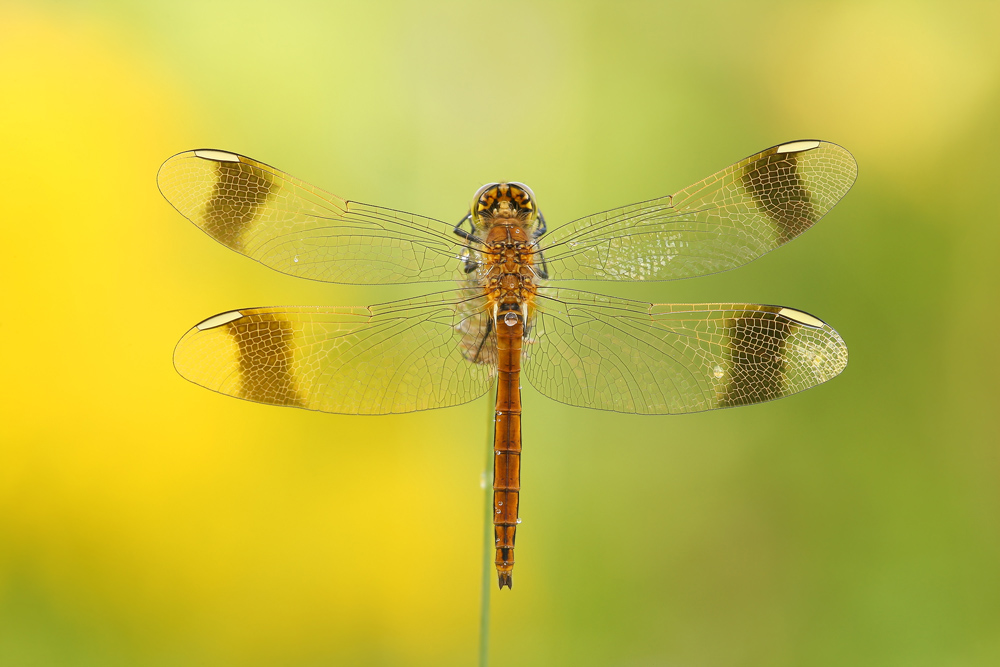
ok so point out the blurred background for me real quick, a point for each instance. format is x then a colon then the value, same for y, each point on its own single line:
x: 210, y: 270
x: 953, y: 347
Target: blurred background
x: 147, y: 521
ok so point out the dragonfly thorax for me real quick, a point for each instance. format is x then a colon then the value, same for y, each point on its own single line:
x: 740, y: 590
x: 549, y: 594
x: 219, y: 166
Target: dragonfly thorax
x: 508, y: 272
x: 508, y: 247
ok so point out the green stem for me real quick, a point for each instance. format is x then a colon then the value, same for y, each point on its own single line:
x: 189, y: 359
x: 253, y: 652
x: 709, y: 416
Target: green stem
x: 488, y: 543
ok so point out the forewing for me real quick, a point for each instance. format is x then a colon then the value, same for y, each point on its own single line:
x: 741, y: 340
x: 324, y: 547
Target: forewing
x: 724, y: 221
x: 601, y: 352
x: 390, y: 358
x: 300, y: 230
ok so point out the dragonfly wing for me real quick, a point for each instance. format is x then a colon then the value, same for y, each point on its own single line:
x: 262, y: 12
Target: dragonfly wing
x: 298, y: 229
x: 390, y: 358
x: 602, y: 352
x: 724, y: 221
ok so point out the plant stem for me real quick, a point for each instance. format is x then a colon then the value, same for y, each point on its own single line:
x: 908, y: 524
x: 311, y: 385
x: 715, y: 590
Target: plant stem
x: 487, y: 484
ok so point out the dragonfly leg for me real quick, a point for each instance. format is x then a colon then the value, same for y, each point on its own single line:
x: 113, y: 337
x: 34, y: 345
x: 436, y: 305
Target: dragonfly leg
x: 486, y: 337
x: 541, y: 225
x: 541, y: 268
x: 464, y: 234
x: 470, y: 266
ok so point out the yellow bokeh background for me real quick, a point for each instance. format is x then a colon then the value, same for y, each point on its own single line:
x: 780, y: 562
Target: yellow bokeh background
x: 145, y: 521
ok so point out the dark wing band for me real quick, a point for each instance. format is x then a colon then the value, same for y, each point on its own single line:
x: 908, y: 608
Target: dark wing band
x: 602, y: 352
x: 724, y: 221
x: 389, y: 358
x: 295, y: 228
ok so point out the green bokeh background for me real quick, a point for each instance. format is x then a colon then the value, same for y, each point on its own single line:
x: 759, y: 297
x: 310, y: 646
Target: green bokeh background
x: 145, y: 521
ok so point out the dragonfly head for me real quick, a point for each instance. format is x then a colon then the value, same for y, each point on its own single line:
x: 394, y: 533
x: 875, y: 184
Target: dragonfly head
x: 495, y: 203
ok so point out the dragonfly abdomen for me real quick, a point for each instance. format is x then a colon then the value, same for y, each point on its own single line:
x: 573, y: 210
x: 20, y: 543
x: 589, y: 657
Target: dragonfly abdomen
x: 507, y: 445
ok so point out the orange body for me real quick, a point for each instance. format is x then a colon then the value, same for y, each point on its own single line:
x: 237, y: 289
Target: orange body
x: 511, y: 289
x: 507, y: 449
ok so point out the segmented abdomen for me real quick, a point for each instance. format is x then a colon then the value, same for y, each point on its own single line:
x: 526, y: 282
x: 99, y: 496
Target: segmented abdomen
x: 507, y: 448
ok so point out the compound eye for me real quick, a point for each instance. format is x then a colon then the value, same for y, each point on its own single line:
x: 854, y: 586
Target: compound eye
x: 480, y: 191
x: 526, y: 189
x: 484, y: 198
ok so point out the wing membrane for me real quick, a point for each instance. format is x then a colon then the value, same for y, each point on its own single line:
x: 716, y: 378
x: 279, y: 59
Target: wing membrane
x: 295, y: 228
x: 389, y: 358
x: 724, y: 221
x: 602, y: 352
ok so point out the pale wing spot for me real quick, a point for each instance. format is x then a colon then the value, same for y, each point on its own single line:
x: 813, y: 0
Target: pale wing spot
x: 219, y: 320
x: 801, y: 318
x: 218, y: 156
x: 798, y: 146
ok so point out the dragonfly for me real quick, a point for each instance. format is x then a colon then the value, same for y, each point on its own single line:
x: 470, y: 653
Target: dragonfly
x: 503, y: 311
